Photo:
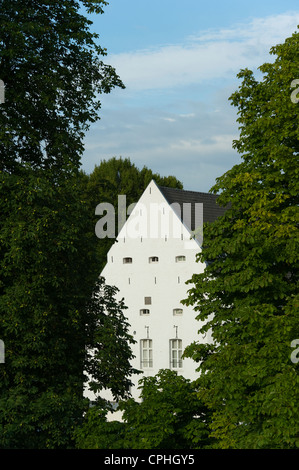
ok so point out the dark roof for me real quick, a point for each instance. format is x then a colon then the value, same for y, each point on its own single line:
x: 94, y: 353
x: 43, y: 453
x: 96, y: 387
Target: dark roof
x: 211, y: 210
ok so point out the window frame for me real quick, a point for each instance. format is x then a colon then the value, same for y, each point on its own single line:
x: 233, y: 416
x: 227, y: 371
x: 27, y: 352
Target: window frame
x: 176, y: 362
x: 144, y: 311
x: 177, y: 312
x: 146, y: 346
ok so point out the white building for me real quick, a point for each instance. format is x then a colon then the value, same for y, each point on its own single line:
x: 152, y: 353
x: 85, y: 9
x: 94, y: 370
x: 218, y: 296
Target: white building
x: 152, y: 258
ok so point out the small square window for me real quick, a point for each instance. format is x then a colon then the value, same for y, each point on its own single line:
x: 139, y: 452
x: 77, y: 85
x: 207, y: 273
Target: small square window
x: 180, y: 258
x: 144, y: 311
x: 177, y: 311
x: 147, y: 300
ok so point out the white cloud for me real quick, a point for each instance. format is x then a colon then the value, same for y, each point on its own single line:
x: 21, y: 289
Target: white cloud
x: 195, y: 146
x: 212, y: 54
x: 168, y: 119
x: 268, y: 31
x: 189, y: 115
x: 174, y: 116
x: 217, y: 143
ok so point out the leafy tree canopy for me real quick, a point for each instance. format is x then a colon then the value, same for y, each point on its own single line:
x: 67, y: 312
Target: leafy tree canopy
x: 51, y: 306
x: 53, y: 313
x: 53, y: 75
x: 169, y: 416
x: 120, y: 176
x: 248, y: 294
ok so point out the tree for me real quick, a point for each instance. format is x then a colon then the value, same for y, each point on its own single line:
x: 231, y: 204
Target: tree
x: 169, y: 416
x: 50, y: 65
x: 53, y: 311
x: 108, y: 343
x: 49, y: 306
x: 114, y: 177
x: 120, y: 176
x: 98, y: 433
x: 248, y: 294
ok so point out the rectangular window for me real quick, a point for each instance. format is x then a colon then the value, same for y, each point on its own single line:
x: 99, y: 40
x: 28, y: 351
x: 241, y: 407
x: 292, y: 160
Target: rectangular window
x: 177, y: 311
x: 144, y: 311
x: 147, y: 300
x: 176, y: 354
x: 127, y: 260
x: 180, y: 258
x: 146, y: 353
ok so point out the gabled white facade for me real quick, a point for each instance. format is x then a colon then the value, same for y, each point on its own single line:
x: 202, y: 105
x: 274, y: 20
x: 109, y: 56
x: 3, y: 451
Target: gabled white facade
x: 150, y: 262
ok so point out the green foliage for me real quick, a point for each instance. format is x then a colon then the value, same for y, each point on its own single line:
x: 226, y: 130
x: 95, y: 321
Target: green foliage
x: 51, y: 309
x: 120, y: 176
x: 169, y: 416
x: 98, y: 433
x: 51, y: 66
x: 108, y: 342
x: 42, y: 244
x: 248, y: 294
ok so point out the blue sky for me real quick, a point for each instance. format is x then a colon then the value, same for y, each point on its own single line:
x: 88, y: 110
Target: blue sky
x: 179, y: 62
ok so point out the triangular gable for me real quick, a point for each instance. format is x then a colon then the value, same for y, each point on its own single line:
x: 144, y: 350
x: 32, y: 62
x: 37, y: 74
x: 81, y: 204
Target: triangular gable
x: 146, y: 216
x: 191, y: 208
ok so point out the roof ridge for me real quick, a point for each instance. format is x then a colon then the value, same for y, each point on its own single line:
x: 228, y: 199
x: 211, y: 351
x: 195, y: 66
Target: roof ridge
x: 211, y: 209
x: 187, y: 190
